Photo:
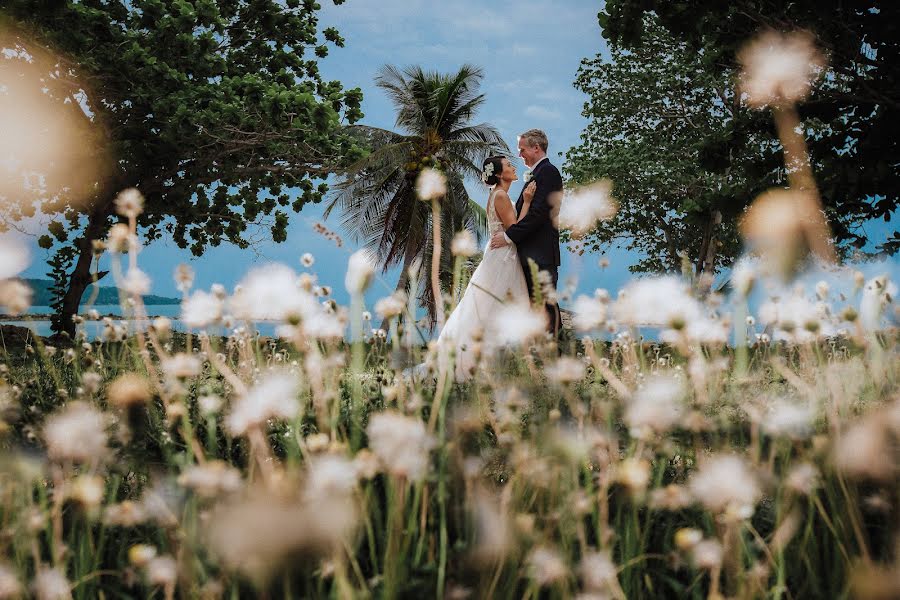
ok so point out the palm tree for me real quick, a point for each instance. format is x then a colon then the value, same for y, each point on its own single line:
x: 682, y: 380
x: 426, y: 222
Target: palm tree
x: 377, y: 196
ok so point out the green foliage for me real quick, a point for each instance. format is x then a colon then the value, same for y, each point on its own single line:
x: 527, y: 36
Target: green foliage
x: 377, y: 197
x: 660, y: 134
x: 852, y: 115
x: 216, y: 111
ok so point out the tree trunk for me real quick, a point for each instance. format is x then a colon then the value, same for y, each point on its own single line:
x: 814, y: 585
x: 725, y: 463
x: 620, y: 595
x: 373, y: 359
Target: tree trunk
x: 707, y: 255
x: 81, y: 274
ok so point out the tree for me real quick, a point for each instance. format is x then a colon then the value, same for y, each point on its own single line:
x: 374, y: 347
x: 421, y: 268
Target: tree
x: 852, y: 117
x: 377, y: 198
x: 215, y: 111
x: 657, y: 120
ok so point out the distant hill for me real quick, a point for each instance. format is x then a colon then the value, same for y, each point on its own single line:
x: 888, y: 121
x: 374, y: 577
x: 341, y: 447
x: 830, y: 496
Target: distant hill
x: 107, y: 294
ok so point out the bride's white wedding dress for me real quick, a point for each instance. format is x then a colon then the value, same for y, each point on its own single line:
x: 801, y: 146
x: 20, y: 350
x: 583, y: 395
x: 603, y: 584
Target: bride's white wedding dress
x: 497, y: 281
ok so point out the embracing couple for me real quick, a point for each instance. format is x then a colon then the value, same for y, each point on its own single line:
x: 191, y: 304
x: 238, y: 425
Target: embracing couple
x: 519, y: 232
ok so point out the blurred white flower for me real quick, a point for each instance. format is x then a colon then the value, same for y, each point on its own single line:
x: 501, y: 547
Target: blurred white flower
x: 877, y: 294
x: 184, y: 277
x: 725, y: 483
x: 162, y: 571
x: 136, y: 283
x: 779, y: 68
x: 803, y: 478
x: 120, y: 239
x: 391, y: 306
x: 10, y: 587
x: 431, y: 184
x: 129, y: 203
x: 182, y: 365
x: 401, y: 443
x: 211, y: 479
x: 565, y: 370
x: 51, y: 584
x: 546, y: 566
x: 463, y: 244
x: 517, y: 323
x: 664, y: 301
x: 583, y: 207
x: 598, y: 571
x: 201, y: 309
x: 493, y: 529
x: 790, y: 419
x: 707, y: 554
x: 307, y: 260
x: 360, y: 269
x: 330, y: 475
x: 863, y: 450
x: 76, y: 432
x: 15, y: 296
x: 274, y: 397
x: 14, y: 258
x: 590, y: 313
x: 272, y: 292
x: 743, y: 276
x: 655, y: 406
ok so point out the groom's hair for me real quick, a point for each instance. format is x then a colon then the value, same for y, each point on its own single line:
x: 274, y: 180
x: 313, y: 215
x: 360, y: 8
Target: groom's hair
x: 535, y: 137
x: 497, y: 161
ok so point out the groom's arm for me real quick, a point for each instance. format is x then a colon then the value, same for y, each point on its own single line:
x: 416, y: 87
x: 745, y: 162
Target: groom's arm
x: 549, y: 182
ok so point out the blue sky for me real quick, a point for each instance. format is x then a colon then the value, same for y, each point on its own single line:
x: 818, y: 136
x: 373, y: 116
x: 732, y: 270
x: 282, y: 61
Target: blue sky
x: 530, y: 51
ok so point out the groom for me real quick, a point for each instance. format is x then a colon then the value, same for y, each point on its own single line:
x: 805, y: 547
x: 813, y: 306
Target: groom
x: 535, y: 236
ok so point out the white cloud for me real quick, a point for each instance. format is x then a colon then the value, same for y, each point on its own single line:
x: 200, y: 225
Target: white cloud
x: 541, y: 113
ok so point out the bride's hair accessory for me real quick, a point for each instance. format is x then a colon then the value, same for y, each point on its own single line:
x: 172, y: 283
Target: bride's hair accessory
x: 491, y: 169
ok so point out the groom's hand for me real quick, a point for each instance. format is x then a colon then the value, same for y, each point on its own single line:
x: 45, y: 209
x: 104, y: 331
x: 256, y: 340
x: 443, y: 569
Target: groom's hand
x: 498, y: 240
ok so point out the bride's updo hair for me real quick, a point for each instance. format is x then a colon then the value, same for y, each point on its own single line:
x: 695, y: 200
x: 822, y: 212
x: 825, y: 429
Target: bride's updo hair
x: 494, y: 177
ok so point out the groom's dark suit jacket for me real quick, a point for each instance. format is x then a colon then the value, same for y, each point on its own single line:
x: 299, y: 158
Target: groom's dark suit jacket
x: 535, y: 236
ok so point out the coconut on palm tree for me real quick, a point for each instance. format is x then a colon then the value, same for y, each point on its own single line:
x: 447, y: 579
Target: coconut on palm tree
x: 377, y: 195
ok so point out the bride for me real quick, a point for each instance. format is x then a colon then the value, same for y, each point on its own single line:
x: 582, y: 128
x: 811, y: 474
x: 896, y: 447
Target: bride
x: 497, y: 280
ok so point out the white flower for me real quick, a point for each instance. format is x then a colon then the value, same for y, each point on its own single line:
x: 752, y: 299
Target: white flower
x: 201, y: 309
x: 9, y: 583
x: 546, y: 566
x: 14, y: 258
x: 307, y: 260
x: 528, y: 176
x: 51, y: 584
x: 431, y: 184
x: 487, y: 172
x: 463, y: 244
x: 184, y: 277
x: 743, y: 276
x: 726, y: 484
x: 136, y: 283
x: 401, y: 443
x: 76, y: 433
x: 15, y: 296
x: 211, y: 479
x: 130, y: 203
x: 162, y: 570
x: 566, y: 370
x: 662, y: 301
x: 707, y: 554
x: 517, y: 323
x: 120, y: 239
x: 779, y: 67
x: 272, y: 292
x: 583, y: 207
x: 788, y: 419
x: 877, y: 293
x: 330, y: 476
x: 590, y: 313
x: 656, y: 405
x: 275, y: 397
x: 598, y: 571
x: 391, y: 306
x: 182, y: 365
x: 360, y: 269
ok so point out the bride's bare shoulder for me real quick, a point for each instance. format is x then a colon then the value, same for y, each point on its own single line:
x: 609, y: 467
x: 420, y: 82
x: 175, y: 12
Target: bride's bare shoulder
x: 502, y: 195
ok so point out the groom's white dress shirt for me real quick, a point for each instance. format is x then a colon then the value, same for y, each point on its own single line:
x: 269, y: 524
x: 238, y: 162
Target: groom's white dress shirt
x: 533, y: 167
